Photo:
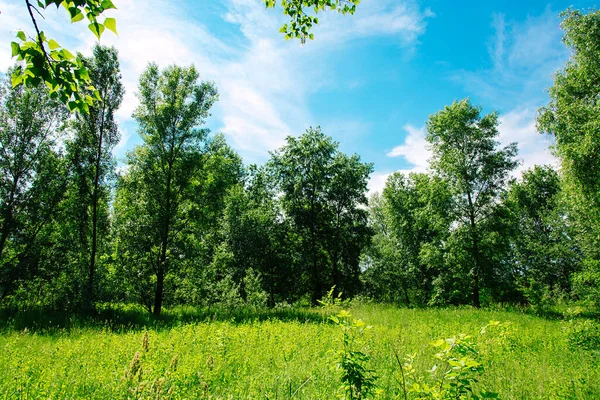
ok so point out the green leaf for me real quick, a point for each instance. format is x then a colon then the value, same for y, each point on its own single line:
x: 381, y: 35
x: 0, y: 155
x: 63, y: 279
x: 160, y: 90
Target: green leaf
x: 21, y: 35
x: 16, y: 80
x: 108, y: 5
x: 77, y: 17
x: 16, y: 50
x: 53, y: 44
x: 67, y: 54
x: 96, y: 29
x: 111, y: 23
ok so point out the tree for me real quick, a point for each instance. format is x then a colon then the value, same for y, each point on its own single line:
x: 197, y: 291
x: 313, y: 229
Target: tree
x: 323, y: 190
x: 349, y: 230
x: 29, y: 188
x: 466, y: 155
x: 96, y: 134
x: 419, y: 208
x: 572, y: 116
x: 545, y: 251
x: 385, y: 276
x: 173, y: 104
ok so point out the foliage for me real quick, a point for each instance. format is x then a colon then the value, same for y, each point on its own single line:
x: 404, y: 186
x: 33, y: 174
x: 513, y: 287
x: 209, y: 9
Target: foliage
x: 89, y: 153
x: 543, y: 243
x: 301, y: 22
x: 581, y: 333
x: 159, y: 188
x: 357, y: 381
x: 46, y: 61
x: 32, y: 182
x: 466, y: 154
x: 323, y: 190
x: 453, y: 377
x: 571, y: 117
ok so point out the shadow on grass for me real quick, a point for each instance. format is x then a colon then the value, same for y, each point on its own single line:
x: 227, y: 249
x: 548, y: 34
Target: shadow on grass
x: 123, y: 318
x: 550, y: 313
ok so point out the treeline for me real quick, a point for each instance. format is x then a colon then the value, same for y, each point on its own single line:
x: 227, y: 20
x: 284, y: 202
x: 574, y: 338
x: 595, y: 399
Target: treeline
x: 183, y: 221
x: 465, y: 233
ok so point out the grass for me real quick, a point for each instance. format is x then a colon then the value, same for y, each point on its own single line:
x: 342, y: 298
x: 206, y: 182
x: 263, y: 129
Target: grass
x: 279, y: 354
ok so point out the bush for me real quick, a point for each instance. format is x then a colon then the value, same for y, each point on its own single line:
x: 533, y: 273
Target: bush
x: 583, y: 334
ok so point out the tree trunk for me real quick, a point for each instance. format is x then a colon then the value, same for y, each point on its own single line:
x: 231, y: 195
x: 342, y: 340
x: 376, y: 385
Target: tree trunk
x: 405, y: 290
x: 92, y: 269
x: 5, y: 232
x: 160, y: 280
x: 8, y: 216
x: 316, y: 284
x: 162, y: 261
x: 475, y: 253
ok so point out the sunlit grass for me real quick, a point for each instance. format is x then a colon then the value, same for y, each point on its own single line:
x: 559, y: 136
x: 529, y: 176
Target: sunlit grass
x: 276, y: 354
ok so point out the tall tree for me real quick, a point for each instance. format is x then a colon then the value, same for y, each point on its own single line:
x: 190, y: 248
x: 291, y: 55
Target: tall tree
x: 322, y: 194
x: 173, y: 104
x: 573, y: 117
x: 466, y: 153
x: 96, y: 135
x: 349, y: 230
x: 29, y: 124
x: 385, y: 276
x: 545, y: 250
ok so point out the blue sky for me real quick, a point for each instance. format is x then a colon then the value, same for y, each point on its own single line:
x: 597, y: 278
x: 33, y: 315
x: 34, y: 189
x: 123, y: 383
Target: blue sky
x: 369, y: 80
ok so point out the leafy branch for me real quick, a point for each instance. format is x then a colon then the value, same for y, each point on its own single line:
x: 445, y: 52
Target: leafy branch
x: 301, y: 22
x: 44, y: 60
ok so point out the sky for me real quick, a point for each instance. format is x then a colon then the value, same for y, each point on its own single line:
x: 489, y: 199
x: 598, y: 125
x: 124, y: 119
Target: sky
x: 369, y: 80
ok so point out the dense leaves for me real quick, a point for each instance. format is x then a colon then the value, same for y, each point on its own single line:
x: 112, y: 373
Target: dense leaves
x: 572, y: 116
x: 44, y: 60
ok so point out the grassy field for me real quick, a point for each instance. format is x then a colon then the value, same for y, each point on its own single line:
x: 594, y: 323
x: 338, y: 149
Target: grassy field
x: 283, y: 354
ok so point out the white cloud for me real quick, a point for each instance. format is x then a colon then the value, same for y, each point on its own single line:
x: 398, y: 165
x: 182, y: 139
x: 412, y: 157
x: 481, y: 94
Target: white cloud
x: 518, y: 126
x: 264, y: 82
x: 377, y: 182
x: 415, y: 152
x: 414, y: 149
x: 405, y: 20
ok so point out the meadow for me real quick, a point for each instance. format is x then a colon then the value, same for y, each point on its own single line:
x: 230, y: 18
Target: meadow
x: 287, y: 353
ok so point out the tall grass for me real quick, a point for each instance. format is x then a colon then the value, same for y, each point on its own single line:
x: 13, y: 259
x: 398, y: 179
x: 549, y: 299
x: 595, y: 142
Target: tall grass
x: 275, y: 354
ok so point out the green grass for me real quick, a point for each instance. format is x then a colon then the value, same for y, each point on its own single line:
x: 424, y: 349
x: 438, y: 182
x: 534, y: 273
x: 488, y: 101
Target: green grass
x: 275, y: 354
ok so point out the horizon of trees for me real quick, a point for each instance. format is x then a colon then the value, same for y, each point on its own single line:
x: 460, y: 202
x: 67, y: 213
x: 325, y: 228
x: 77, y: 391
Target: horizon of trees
x: 187, y: 223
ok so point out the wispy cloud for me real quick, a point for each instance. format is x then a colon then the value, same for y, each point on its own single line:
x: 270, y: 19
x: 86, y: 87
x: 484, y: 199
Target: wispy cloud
x: 264, y: 82
x: 518, y: 126
x: 523, y: 57
x: 414, y: 149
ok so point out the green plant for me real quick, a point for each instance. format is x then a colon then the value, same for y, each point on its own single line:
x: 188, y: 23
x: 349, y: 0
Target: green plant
x: 452, y: 377
x: 583, y: 334
x: 357, y: 380
x: 331, y: 303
